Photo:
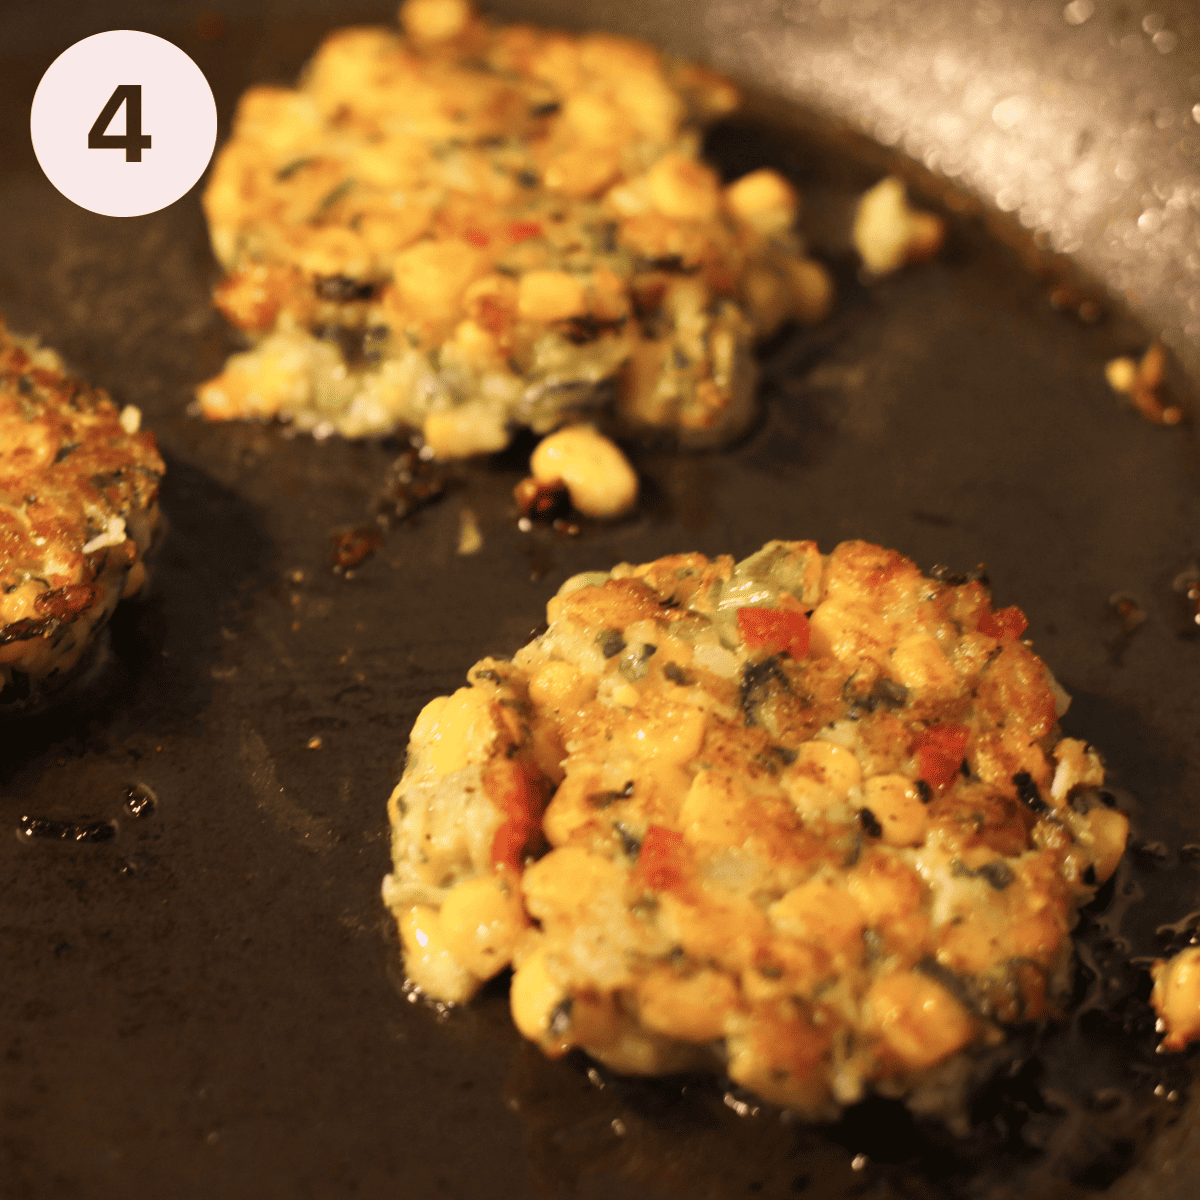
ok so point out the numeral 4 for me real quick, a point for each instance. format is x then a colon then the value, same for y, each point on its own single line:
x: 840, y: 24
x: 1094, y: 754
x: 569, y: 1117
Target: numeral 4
x: 133, y: 141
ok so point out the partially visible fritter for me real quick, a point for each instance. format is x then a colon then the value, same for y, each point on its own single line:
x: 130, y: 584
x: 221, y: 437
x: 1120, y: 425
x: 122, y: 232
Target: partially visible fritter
x: 1176, y: 998
x: 465, y: 228
x: 807, y: 819
x: 78, y: 509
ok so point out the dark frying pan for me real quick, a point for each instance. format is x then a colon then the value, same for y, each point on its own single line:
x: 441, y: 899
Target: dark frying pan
x: 207, y: 1003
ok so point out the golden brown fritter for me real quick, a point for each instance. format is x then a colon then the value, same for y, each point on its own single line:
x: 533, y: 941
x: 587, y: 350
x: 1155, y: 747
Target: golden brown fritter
x: 807, y: 817
x: 464, y: 227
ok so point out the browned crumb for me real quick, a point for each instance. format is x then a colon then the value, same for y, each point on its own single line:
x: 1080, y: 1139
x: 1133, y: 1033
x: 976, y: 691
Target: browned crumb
x: 1141, y: 382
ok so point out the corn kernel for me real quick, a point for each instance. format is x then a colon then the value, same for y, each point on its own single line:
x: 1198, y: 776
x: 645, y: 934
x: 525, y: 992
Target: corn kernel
x: 1121, y: 374
x: 428, y: 960
x: 768, y: 297
x: 431, y: 277
x: 919, y: 664
x: 561, y: 686
x: 551, y: 296
x: 458, y: 729
x: 480, y: 924
x: 463, y: 431
x: 764, y: 200
x: 533, y: 997
x: 597, y: 475
x: 1109, y: 829
x: 650, y: 104
x: 594, y: 119
x: 683, y: 189
x: 563, y: 884
x: 668, y: 732
x: 823, y: 915
x: 896, y: 805
x: 691, y: 1007
x: 430, y: 21
x: 714, y: 811
x: 889, y: 233
x: 811, y: 288
x: 833, y: 766
x: 918, y: 1020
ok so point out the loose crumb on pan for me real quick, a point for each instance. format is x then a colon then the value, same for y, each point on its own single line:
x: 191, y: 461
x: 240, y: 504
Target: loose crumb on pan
x: 806, y: 819
x: 470, y: 539
x: 78, y: 512
x: 1142, y: 381
x: 466, y: 227
x: 888, y: 232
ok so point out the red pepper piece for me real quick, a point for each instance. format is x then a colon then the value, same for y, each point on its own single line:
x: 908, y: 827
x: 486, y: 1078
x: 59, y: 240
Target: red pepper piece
x: 939, y: 751
x: 1007, y: 624
x: 476, y: 237
x: 520, y: 231
x: 517, y: 788
x: 661, y: 859
x: 776, y: 630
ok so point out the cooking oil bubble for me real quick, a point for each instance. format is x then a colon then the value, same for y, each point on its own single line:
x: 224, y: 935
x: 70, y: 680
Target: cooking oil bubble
x: 140, y: 800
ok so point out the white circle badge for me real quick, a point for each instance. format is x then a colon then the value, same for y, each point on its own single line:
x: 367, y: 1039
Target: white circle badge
x: 123, y: 123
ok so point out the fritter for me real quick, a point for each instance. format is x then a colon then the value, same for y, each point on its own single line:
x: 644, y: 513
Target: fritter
x: 78, y: 511
x: 465, y: 228
x: 807, y: 819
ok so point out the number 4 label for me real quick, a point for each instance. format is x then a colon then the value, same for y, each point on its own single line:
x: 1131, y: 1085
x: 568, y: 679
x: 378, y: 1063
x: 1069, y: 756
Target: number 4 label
x: 132, y: 141
x: 71, y: 119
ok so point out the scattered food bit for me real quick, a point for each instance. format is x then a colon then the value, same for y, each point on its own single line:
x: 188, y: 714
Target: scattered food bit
x: 1176, y: 998
x: 597, y: 476
x: 805, y: 819
x: 1122, y: 374
x: 1141, y: 381
x: 1128, y: 611
x: 888, y: 232
x: 1187, y: 583
x: 412, y: 482
x: 546, y: 501
x: 467, y: 227
x: 79, y: 512
x: 780, y: 289
x: 1068, y: 297
x: 314, y: 742
x: 470, y: 540
x: 355, y: 545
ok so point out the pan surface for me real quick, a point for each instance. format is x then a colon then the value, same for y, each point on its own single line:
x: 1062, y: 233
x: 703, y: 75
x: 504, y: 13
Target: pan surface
x: 208, y: 1003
